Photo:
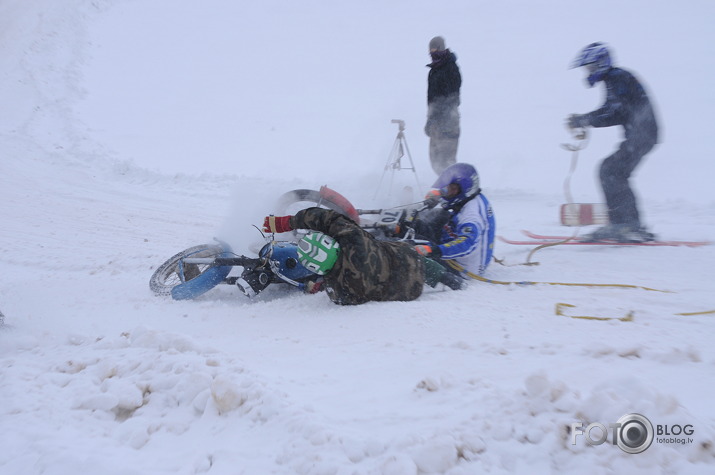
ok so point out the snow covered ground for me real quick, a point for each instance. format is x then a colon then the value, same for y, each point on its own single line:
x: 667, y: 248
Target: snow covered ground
x: 132, y: 130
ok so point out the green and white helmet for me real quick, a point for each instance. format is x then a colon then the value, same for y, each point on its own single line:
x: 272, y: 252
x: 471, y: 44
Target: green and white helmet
x: 318, y: 252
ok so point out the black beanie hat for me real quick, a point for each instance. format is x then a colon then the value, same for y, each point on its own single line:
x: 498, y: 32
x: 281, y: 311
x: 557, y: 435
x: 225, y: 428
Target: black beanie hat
x: 437, y: 43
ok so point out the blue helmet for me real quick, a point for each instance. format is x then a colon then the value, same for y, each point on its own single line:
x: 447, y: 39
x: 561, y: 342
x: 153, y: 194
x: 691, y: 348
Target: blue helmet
x: 597, y: 55
x: 462, y: 174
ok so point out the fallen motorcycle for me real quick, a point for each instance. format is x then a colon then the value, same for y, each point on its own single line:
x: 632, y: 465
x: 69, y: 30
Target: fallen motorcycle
x: 198, y: 269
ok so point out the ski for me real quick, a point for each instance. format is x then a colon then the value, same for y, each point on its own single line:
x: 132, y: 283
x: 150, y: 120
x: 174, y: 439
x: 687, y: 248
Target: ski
x: 540, y: 240
x: 662, y: 243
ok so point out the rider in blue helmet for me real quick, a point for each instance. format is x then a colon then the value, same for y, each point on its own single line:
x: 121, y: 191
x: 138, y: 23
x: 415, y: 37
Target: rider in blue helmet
x: 457, y: 184
x: 597, y: 60
x: 468, y: 237
x: 628, y: 105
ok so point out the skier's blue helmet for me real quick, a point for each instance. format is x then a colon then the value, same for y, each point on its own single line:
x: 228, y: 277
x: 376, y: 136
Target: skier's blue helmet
x: 466, y: 179
x: 598, y: 60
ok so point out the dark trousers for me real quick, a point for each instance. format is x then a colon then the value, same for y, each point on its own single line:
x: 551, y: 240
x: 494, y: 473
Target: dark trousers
x: 614, y: 173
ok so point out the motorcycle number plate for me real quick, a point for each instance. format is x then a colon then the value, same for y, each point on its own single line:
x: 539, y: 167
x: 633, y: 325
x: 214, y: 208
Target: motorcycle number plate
x: 388, y: 217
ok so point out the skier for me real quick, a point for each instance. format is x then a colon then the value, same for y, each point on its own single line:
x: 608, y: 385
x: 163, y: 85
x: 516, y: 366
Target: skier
x: 443, y: 84
x: 468, y: 236
x: 627, y: 105
x: 356, y: 267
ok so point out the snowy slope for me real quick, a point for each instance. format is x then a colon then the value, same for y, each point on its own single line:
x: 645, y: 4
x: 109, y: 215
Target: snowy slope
x: 121, y: 146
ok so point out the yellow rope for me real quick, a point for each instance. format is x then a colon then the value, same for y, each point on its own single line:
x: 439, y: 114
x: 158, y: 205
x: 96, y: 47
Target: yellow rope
x: 454, y: 265
x: 628, y: 318
x: 550, y: 244
x: 560, y: 311
x: 502, y: 262
x: 560, y: 306
x: 689, y: 314
x: 536, y: 249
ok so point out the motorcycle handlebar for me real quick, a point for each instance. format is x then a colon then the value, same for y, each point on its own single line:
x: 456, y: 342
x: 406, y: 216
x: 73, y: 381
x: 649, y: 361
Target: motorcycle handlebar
x: 241, y: 261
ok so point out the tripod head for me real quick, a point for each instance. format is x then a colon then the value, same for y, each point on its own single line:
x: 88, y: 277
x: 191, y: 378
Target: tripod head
x: 400, y: 124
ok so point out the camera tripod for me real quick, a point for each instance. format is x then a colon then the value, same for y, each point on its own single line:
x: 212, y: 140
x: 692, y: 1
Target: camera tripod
x: 394, y: 160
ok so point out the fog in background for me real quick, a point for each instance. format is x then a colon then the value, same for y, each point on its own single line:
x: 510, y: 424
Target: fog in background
x: 308, y: 89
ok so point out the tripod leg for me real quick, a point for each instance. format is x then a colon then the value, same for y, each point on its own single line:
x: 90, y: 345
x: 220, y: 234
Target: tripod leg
x: 412, y: 164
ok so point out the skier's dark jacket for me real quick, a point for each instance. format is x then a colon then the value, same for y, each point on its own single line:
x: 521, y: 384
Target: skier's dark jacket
x: 443, y: 84
x: 627, y: 104
x: 366, y: 269
x: 444, y: 78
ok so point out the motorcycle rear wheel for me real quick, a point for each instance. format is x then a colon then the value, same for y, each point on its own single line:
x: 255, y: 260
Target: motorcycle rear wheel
x: 293, y: 201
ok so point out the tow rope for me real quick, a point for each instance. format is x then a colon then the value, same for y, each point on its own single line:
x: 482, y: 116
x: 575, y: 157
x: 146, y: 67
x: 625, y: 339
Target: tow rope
x: 560, y: 307
x: 560, y: 310
x: 456, y: 266
x: 690, y: 314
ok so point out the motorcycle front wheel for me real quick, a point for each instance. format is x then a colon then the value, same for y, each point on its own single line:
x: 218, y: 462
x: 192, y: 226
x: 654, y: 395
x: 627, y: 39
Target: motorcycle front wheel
x: 186, y: 281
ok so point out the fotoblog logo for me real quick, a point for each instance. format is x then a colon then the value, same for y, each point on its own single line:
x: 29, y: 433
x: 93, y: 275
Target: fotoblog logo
x: 632, y: 433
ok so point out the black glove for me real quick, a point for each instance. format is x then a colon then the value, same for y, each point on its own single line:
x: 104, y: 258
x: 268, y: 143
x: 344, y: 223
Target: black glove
x: 576, y: 121
x: 432, y: 198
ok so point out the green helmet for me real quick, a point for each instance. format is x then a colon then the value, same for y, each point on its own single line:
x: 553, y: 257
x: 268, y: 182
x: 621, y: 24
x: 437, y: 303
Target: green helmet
x: 318, y: 252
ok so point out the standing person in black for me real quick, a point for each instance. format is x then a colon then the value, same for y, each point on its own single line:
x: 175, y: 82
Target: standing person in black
x: 442, y: 125
x: 627, y: 104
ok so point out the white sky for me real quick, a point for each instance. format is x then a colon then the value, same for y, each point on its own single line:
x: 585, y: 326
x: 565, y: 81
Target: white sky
x: 269, y: 82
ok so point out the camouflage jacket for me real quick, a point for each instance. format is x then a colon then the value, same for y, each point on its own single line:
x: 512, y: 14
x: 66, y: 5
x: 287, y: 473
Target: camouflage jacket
x: 366, y: 269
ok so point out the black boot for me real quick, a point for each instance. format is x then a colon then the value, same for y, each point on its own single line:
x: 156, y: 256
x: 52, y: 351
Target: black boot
x: 436, y: 273
x: 453, y: 281
x: 625, y: 233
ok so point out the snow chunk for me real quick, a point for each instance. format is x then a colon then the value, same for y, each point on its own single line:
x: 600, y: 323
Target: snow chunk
x: 436, y: 456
